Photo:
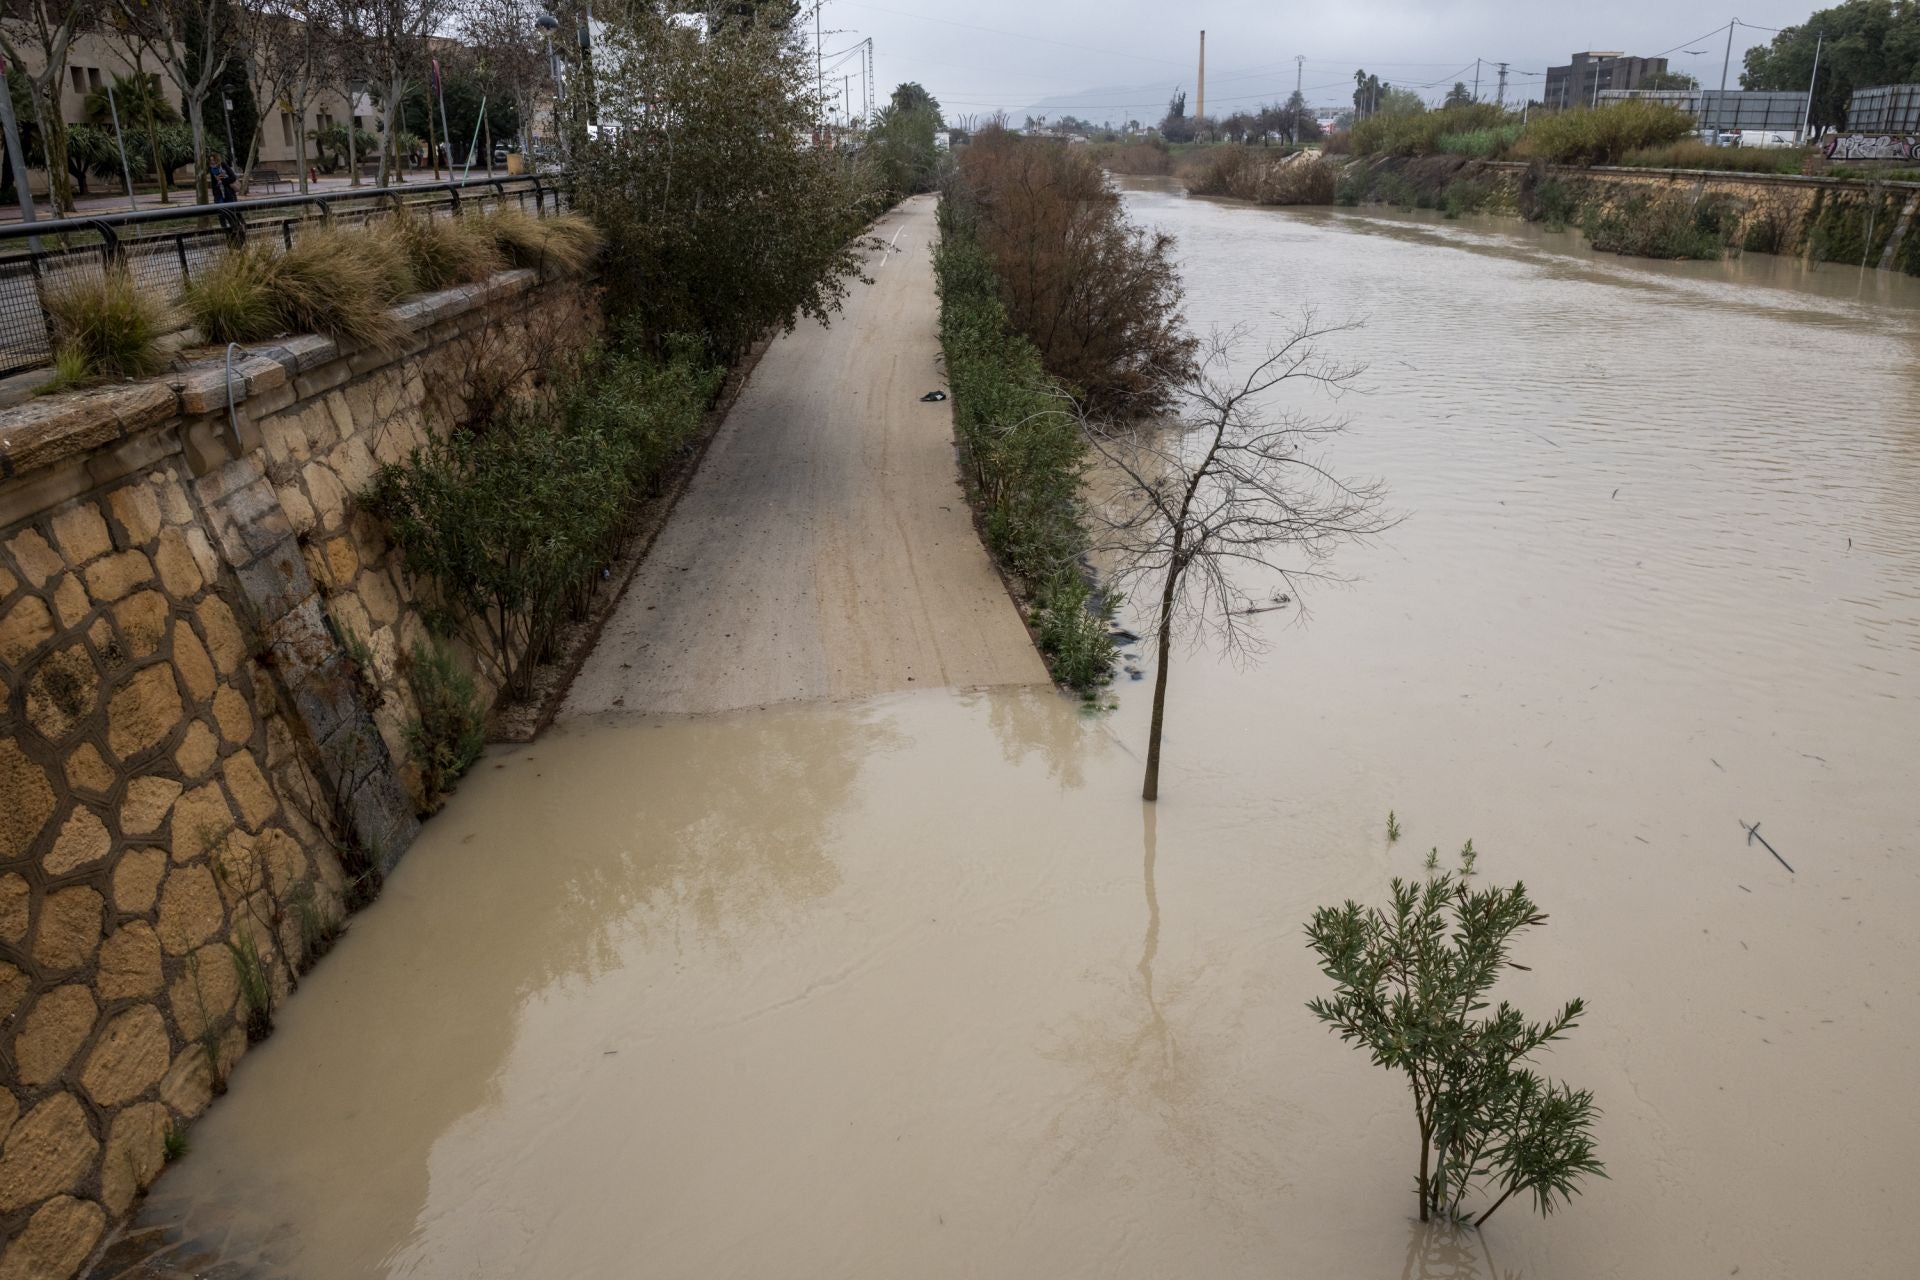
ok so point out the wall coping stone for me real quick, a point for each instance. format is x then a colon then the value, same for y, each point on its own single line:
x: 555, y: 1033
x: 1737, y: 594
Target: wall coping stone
x: 50, y: 429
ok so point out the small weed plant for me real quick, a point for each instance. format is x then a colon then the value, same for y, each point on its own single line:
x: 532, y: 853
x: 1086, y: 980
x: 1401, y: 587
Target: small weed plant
x: 1413, y: 984
x: 448, y: 735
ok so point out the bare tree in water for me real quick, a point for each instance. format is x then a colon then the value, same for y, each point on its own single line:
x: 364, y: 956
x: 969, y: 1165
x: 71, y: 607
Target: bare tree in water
x: 1235, y: 487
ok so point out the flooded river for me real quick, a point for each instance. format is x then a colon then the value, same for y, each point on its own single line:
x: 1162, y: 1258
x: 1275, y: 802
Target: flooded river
x: 915, y: 987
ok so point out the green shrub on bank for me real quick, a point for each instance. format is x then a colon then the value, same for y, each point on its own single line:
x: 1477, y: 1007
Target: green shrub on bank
x: 1602, y: 135
x: 1480, y: 144
x: 1853, y: 229
x: 1666, y: 227
x: 513, y: 518
x: 1022, y: 455
x: 1542, y: 198
x: 1421, y: 133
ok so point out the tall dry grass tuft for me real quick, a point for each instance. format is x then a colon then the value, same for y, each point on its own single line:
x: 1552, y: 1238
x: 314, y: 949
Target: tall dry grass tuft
x: 564, y: 246
x: 107, y: 326
x: 237, y: 299
x: 444, y: 252
x: 335, y: 282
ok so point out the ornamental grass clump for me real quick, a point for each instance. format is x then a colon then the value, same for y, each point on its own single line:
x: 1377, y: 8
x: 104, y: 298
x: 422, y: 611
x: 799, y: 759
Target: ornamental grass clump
x: 105, y: 327
x: 236, y: 299
x: 564, y: 246
x: 444, y: 252
x: 335, y: 282
x: 1413, y: 983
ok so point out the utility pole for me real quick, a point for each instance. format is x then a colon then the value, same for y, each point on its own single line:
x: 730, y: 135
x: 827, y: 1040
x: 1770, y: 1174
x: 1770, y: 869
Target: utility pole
x: 1293, y: 120
x: 1200, y: 110
x: 1806, y: 116
x: 819, y: 60
x: 1476, y: 79
x: 1720, y: 103
x: 1500, y: 94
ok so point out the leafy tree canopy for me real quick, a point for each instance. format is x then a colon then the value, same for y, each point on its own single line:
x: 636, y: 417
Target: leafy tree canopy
x: 1867, y: 43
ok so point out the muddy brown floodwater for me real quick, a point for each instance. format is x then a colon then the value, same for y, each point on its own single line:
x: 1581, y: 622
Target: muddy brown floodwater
x: 913, y: 987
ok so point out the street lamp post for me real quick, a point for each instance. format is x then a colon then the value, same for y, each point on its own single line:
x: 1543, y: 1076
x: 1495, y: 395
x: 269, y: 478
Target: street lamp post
x: 547, y: 23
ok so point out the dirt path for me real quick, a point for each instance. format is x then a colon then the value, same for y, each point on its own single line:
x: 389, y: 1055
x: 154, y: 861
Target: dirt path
x: 824, y: 550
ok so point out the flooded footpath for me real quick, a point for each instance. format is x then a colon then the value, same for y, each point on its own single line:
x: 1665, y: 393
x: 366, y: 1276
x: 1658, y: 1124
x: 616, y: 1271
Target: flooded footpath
x: 915, y: 986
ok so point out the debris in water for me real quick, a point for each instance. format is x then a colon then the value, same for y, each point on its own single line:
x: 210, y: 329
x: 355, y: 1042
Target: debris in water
x: 1716, y: 764
x: 1753, y: 833
x: 933, y: 396
x: 1120, y: 635
x: 1135, y: 673
x: 1616, y: 493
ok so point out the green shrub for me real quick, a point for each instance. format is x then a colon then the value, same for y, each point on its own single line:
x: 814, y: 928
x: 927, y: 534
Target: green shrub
x: 1022, y: 456
x: 1298, y: 182
x: 1413, y: 983
x: 105, y: 325
x: 1466, y: 195
x: 449, y: 733
x: 512, y: 519
x: 1546, y: 199
x: 1602, y: 135
x: 1853, y: 229
x: 1664, y: 227
x: 1764, y: 235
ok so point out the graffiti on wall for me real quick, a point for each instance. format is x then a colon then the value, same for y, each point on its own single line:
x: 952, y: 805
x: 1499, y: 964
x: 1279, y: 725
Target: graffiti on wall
x: 1873, y: 146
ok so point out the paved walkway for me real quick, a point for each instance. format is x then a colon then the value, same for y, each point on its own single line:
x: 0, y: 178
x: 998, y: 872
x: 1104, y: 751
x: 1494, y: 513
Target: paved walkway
x: 825, y: 549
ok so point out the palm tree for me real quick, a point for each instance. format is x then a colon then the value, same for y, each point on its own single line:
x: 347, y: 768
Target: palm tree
x: 138, y: 96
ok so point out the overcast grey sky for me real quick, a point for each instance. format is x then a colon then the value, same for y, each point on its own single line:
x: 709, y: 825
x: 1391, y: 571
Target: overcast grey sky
x: 1119, y: 58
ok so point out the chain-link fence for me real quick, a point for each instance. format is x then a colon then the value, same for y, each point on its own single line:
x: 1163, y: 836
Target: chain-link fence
x: 165, y: 248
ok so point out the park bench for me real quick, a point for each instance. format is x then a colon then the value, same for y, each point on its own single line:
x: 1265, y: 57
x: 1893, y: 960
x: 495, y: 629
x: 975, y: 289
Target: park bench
x: 266, y: 179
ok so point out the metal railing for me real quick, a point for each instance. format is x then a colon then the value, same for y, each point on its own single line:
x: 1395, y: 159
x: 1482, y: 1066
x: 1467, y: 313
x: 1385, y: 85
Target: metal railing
x: 165, y: 248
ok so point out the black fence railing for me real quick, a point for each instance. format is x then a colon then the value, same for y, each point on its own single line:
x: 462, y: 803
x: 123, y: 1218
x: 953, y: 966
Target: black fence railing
x: 165, y: 248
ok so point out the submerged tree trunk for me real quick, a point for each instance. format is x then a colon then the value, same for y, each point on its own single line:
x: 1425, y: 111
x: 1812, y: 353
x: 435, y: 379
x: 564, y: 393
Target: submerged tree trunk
x: 1151, y: 791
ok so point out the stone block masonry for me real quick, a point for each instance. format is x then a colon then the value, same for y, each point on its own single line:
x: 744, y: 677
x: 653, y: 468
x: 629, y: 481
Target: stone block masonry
x: 203, y: 712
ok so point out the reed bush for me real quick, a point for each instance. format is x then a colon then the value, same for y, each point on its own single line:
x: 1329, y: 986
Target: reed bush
x: 1602, y: 135
x: 1098, y: 296
x: 1691, y: 153
x: 1420, y: 133
x: 449, y: 733
x: 1656, y: 227
x: 236, y: 299
x: 104, y: 326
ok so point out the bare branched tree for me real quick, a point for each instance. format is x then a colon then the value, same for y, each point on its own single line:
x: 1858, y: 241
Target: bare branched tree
x: 191, y: 39
x: 1236, y: 488
x: 45, y: 29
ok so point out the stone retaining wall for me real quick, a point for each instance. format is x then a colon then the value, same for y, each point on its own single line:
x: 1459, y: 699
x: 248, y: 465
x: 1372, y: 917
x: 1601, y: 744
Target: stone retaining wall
x: 203, y: 703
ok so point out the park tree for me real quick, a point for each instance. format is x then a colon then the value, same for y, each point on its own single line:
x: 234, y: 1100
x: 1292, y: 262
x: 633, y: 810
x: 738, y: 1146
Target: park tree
x: 1235, y: 489
x: 191, y: 41
x: 1175, y: 126
x: 912, y: 96
x: 1413, y: 986
x: 38, y: 34
x: 1669, y: 80
x: 721, y: 220
x: 1866, y: 43
x: 903, y: 148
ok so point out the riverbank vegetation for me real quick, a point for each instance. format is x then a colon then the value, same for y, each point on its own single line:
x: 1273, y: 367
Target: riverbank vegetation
x: 1413, y: 982
x: 720, y: 222
x: 1022, y: 457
